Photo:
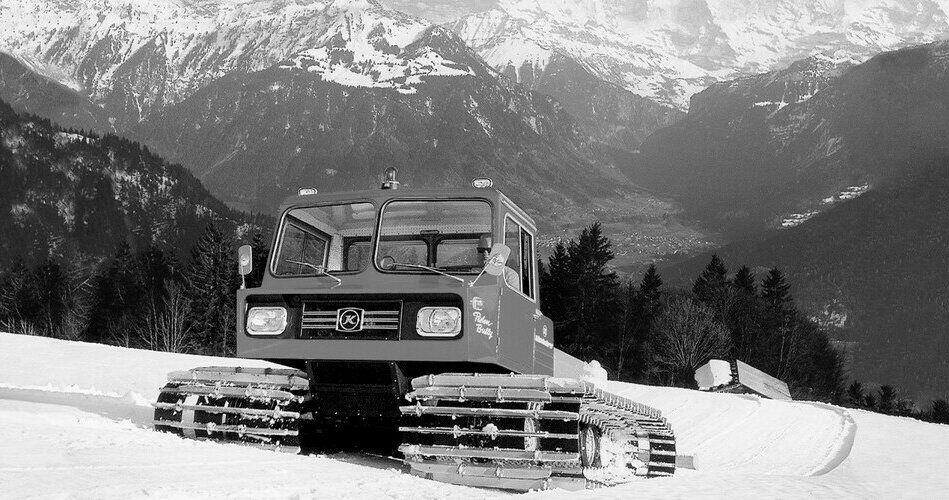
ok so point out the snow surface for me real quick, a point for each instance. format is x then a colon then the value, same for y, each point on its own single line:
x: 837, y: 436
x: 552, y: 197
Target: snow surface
x: 74, y: 423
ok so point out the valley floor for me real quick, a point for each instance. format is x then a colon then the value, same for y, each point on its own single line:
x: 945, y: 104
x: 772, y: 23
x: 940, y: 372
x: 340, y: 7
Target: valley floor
x: 75, y: 423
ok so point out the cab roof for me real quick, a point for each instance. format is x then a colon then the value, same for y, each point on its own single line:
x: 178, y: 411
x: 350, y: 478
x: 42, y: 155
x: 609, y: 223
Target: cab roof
x: 381, y: 196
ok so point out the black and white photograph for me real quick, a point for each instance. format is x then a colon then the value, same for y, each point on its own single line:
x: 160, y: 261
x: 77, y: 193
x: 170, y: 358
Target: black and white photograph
x: 469, y: 249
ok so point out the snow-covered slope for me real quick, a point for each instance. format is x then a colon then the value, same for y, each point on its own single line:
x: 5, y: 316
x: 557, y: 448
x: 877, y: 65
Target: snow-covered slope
x: 669, y: 49
x: 74, y: 423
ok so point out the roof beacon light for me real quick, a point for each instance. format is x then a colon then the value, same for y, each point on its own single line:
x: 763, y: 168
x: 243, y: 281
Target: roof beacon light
x: 482, y: 183
x: 306, y: 191
x: 390, y: 182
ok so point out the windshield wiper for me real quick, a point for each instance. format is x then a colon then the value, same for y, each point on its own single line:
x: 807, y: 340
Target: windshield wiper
x: 320, y: 270
x: 427, y: 268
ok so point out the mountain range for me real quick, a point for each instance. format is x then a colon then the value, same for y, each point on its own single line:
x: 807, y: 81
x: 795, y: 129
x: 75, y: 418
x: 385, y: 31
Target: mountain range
x: 668, y: 50
x: 772, y: 150
x: 334, y: 82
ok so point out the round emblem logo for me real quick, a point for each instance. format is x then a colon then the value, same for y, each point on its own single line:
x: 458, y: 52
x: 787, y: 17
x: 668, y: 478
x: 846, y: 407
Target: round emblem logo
x: 349, y: 320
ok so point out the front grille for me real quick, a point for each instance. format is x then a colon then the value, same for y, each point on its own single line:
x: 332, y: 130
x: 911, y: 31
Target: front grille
x: 381, y: 320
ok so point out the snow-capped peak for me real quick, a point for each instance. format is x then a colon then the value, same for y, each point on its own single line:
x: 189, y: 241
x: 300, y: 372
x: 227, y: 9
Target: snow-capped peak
x: 670, y: 49
x: 365, y: 45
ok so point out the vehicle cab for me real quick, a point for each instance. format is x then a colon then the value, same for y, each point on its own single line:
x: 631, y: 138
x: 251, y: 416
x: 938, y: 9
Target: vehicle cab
x: 399, y: 276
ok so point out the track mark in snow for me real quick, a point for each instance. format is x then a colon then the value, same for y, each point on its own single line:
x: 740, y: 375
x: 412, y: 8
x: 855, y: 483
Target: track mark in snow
x: 848, y: 433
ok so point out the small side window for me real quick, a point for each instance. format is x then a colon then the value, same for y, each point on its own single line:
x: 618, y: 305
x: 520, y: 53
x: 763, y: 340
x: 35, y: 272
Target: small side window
x: 519, y: 271
x: 527, y: 263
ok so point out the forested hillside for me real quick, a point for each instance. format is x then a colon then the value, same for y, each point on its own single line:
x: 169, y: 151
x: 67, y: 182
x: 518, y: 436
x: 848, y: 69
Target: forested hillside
x: 874, y: 270
x: 104, y: 241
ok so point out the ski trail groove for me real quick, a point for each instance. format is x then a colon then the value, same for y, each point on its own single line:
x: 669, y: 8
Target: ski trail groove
x: 848, y: 433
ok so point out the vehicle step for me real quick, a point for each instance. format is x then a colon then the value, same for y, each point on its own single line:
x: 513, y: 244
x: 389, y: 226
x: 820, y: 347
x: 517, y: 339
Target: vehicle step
x: 269, y: 376
x: 450, y: 411
x: 235, y: 429
x: 539, y: 382
x: 479, y: 394
x: 237, y: 392
x: 457, y: 431
x: 225, y: 409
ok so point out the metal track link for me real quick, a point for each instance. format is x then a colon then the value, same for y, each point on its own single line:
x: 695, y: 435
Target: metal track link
x: 525, y: 432
x: 259, y: 407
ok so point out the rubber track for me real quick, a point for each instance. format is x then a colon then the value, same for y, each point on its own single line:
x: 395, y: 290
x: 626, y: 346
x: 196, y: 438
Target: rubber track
x: 253, y: 406
x: 469, y: 429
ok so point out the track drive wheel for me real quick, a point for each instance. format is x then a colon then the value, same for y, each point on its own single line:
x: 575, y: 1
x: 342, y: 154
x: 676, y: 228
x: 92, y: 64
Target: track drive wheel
x: 590, y: 437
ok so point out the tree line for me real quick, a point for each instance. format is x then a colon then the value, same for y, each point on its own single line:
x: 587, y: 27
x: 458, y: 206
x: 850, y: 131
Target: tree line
x: 640, y: 330
x: 149, y: 299
x: 643, y: 331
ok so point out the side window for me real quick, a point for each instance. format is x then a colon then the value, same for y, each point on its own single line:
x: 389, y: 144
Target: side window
x: 520, y: 272
x: 527, y: 263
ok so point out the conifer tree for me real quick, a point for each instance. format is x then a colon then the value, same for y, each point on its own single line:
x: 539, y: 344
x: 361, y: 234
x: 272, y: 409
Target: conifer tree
x: 887, y: 399
x: 775, y: 290
x: 593, y: 306
x: 554, y: 285
x: 711, y: 281
x: 117, y: 299
x: 649, y: 287
x: 939, y: 412
x: 212, y: 282
x: 53, y: 299
x: 643, y: 306
x: 580, y: 294
x: 855, y: 393
x: 745, y: 281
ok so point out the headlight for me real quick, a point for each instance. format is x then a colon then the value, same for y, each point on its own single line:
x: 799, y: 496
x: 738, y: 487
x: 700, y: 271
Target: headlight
x: 438, y: 322
x: 266, y: 320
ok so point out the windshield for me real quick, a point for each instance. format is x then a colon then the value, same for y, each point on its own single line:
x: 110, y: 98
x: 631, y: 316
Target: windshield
x: 448, y: 234
x: 332, y: 237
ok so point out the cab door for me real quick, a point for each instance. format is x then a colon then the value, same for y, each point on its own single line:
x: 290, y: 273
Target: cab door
x: 519, y: 307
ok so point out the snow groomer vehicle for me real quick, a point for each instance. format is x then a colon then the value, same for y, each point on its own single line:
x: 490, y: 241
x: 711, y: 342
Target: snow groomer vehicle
x: 413, y: 316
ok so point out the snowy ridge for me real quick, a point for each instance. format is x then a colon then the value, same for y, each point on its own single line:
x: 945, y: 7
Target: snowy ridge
x: 669, y: 50
x: 136, y: 57
x: 64, y: 431
x: 366, y: 46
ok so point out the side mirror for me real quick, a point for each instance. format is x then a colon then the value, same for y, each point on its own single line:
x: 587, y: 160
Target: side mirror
x: 245, y: 260
x: 496, y: 259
